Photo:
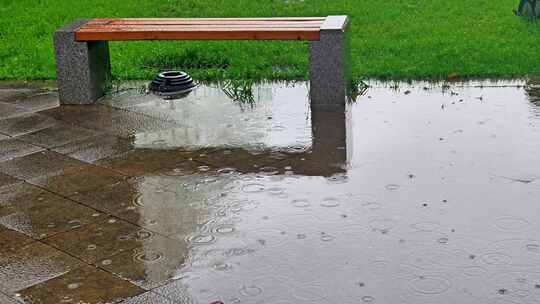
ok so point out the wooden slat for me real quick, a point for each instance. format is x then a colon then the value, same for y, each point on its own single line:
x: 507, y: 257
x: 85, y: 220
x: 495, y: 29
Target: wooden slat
x: 213, y: 23
x: 301, y: 28
x: 160, y: 28
x: 202, y: 29
x: 180, y: 27
x: 214, y: 34
x: 198, y: 21
x: 143, y: 20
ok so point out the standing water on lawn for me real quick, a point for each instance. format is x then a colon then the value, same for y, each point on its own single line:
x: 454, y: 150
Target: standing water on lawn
x: 416, y: 193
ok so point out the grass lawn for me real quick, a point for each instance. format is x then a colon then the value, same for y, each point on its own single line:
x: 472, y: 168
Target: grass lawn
x: 398, y: 39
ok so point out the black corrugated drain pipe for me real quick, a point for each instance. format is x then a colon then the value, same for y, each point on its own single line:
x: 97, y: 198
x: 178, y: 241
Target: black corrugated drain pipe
x: 172, y: 84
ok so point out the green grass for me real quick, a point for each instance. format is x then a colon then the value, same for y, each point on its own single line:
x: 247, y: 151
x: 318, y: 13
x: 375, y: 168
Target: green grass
x: 398, y: 39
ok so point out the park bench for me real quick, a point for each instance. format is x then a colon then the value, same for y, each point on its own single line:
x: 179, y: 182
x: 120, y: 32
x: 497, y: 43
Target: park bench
x: 82, y: 49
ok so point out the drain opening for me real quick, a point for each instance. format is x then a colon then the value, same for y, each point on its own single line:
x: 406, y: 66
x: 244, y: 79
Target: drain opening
x: 172, y: 84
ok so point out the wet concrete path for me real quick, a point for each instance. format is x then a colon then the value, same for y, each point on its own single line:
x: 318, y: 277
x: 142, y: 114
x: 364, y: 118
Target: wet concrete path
x: 418, y: 193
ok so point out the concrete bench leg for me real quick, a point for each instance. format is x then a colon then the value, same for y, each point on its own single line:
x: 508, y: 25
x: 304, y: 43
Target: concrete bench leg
x: 82, y: 68
x: 329, y: 64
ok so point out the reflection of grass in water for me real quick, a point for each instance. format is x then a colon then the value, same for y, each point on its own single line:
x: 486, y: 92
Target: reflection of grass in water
x: 356, y: 88
x: 240, y: 91
x: 532, y: 88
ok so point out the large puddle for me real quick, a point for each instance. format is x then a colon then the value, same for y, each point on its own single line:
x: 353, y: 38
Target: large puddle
x: 418, y: 193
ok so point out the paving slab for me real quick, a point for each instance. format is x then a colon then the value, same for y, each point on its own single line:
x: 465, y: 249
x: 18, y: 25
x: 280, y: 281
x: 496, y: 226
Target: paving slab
x: 149, y: 265
x: 27, y: 123
x: 95, y: 148
x: 110, y: 120
x: 12, y: 148
x: 116, y: 197
x: 143, y: 161
x: 35, y: 212
x: 11, y: 239
x: 39, y: 102
x: 128, y: 125
x: 78, y: 114
x: 44, y: 163
x: 165, y: 212
x: 8, y: 110
x: 6, y: 180
x: 83, y: 285
x: 57, y: 135
x: 15, y: 94
x: 74, y: 180
x: 101, y: 240
x: 32, y: 264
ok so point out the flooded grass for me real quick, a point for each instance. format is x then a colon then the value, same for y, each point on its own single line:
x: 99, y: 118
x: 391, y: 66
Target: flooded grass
x: 390, y: 39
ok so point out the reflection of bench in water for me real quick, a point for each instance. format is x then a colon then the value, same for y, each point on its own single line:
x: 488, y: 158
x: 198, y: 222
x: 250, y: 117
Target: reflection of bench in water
x: 82, y: 50
x: 328, y: 153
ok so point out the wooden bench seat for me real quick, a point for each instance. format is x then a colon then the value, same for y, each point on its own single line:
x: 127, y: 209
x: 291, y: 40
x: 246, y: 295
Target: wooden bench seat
x: 201, y: 29
x: 82, y: 49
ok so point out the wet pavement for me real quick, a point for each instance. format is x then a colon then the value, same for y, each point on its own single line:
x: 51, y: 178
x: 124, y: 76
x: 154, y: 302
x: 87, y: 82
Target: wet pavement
x: 417, y: 193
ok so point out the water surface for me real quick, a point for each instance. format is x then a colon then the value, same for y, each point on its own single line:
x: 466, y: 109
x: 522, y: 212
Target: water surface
x: 416, y: 194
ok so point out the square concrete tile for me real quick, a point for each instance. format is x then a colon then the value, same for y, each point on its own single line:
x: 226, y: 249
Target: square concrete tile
x: 140, y: 162
x: 142, y: 202
x: 8, y: 110
x: 117, y: 197
x: 86, y: 285
x: 101, y: 240
x: 26, y: 123
x: 78, y: 114
x: 150, y: 298
x: 113, y: 121
x: 167, y: 213
x: 95, y: 148
x: 12, y: 239
x: 127, y: 124
x: 6, y: 180
x: 31, y: 264
x: 39, y: 102
x: 77, y: 179
x: 11, y: 148
x: 40, y: 214
x: 12, y: 95
x: 57, y: 135
x: 149, y: 265
x: 39, y: 164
